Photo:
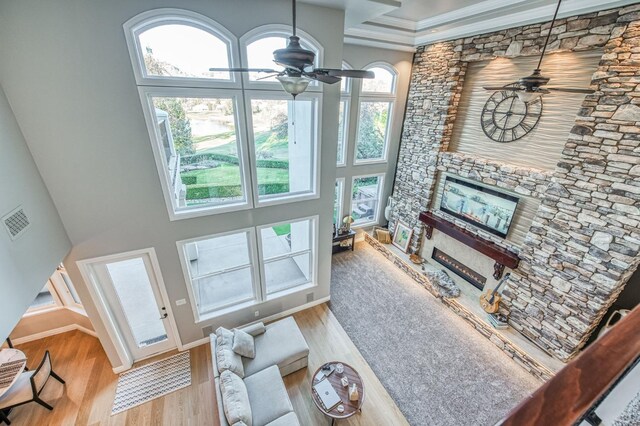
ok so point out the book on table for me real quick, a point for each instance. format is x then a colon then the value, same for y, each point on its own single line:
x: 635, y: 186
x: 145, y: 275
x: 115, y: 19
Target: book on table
x: 327, y: 394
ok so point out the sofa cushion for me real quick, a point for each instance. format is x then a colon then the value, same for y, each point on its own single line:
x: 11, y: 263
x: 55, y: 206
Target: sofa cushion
x: 289, y: 419
x: 268, y: 396
x: 254, y: 329
x: 227, y: 359
x: 235, y: 399
x: 243, y: 344
x: 281, y: 344
x: 224, y: 337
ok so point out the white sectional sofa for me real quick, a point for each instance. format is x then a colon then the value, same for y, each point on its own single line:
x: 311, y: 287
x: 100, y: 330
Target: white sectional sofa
x: 280, y: 349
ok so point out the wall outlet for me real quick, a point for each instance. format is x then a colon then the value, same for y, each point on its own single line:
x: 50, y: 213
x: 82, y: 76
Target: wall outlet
x: 256, y: 313
x: 181, y: 302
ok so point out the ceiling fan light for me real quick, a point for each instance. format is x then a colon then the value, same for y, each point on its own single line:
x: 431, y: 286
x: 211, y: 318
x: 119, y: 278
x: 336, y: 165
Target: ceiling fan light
x: 293, y: 85
x: 528, y: 96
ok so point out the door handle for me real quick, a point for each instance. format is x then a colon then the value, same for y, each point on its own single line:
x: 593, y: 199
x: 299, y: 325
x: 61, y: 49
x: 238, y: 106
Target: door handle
x: 164, y: 316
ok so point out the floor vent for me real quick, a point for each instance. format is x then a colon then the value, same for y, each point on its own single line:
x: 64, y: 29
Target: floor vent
x: 16, y: 223
x: 207, y: 331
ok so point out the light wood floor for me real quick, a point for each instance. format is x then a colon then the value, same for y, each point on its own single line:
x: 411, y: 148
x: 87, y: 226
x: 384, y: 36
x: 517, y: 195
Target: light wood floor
x: 91, y: 383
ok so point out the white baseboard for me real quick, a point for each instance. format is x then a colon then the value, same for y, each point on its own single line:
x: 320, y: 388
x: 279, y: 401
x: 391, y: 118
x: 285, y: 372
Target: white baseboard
x: 53, y: 332
x: 197, y: 343
x: 291, y: 311
x: 121, y: 369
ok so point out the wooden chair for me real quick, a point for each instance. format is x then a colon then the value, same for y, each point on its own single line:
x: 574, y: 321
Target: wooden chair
x: 28, y: 387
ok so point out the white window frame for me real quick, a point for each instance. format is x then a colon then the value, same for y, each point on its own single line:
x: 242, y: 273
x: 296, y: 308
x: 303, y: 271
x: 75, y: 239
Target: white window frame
x: 387, y: 97
x: 278, y: 30
x: 347, y: 81
x: 223, y: 309
x: 385, y: 148
x: 376, y: 220
x: 345, y: 130
x: 62, y: 288
x: 340, y: 201
x: 313, y: 258
x: 314, y: 193
x: 57, y: 302
x: 170, y: 16
x: 175, y: 212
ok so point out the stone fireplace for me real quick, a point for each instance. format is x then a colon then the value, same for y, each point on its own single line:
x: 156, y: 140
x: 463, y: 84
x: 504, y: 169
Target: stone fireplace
x: 582, y: 242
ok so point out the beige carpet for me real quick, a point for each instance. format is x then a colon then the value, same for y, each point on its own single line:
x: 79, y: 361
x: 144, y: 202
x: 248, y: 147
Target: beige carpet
x: 437, y: 367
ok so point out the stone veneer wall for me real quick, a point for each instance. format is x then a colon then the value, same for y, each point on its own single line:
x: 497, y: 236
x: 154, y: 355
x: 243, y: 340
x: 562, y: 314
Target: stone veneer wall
x: 584, y: 242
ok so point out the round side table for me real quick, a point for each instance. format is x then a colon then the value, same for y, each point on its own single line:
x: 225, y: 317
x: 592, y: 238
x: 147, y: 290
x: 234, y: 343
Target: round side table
x: 350, y: 407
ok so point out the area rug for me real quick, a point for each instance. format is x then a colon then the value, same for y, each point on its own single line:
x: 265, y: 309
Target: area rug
x: 437, y: 367
x: 151, y: 381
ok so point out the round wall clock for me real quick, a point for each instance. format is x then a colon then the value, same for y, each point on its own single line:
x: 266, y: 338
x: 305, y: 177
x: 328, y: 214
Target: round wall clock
x: 505, y: 118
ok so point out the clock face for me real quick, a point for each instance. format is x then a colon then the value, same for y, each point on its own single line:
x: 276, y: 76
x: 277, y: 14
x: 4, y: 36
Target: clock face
x: 505, y: 118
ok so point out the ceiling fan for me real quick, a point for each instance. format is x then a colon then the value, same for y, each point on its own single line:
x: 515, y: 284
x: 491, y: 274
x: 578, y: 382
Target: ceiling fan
x: 298, y: 63
x: 530, y: 87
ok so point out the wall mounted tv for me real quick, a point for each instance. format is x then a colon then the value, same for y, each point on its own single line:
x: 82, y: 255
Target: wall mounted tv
x: 478, y: 205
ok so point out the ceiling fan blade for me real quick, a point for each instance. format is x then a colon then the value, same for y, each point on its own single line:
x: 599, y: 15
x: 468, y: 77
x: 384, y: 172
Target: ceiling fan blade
x: 496, y: 88
x: 329, y: 79
x: 570, y: 90
x: 243, y: 70
x: 268, y: 76
x: 346, y: 73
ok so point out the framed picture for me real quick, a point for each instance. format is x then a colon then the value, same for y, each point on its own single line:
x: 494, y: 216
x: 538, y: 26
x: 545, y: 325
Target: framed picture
x: 402, y: 236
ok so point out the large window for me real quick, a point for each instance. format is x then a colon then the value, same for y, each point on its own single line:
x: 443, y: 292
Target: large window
x: 338, y: 196
x: 284, y: 134
x: 377, y: 98
x: 222, y: 270
x: 287, y: 255
x: 199, y: 120
x: 57, y: 293
x: 365, y: 199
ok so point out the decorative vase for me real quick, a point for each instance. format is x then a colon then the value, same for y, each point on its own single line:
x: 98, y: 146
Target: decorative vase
x: 353, y: 393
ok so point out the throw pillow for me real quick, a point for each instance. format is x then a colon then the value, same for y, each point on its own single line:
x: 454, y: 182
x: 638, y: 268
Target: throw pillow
x: 235, y: 399
x: 243, y: 344
x: 255, y: 329
x: 224, y: 337
x: 227, y: 359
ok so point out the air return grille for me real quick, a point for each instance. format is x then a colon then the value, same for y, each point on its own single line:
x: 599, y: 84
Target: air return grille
x: 16, y: 223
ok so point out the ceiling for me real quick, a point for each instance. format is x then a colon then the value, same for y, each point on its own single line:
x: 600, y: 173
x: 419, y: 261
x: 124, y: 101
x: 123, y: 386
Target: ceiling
x: 405, y: 24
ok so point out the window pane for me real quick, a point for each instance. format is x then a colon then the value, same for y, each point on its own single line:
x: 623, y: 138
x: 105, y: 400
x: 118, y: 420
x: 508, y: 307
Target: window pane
x: 133, y: 288
x: 223, y: 289
x: 337, y: 202
x: 383, y: 83
x: 284, y: 151
x: 183, y: 51
x: 70, y: 286
x: 220, y: 270
x: 286, y: 253
x: 43, y: 299
x: 365, y: 199
x: 342, y: 135
x: 372, y: 130
x: 287, y: 273
x: 217, y: 254
x: 203, y: 150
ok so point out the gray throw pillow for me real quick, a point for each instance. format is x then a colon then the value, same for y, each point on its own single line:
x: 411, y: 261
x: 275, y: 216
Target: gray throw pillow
x: 243, y: 344
x: 235, y: 399
x: 224, y: 337
x: 227, y: 359
x: 255, y: 329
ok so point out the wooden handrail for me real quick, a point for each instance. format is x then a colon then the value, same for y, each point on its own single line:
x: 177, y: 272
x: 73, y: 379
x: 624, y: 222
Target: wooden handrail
x: 565, y: 398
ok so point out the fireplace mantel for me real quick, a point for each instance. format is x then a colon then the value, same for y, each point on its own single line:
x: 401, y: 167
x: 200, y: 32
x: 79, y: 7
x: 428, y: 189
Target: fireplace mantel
x: 502, y: 256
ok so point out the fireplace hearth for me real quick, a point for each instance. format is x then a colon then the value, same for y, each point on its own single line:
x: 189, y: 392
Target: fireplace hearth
x: 457, y: 267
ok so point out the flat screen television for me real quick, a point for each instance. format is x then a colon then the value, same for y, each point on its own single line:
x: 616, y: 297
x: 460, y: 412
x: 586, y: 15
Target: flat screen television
x: 478, y: 205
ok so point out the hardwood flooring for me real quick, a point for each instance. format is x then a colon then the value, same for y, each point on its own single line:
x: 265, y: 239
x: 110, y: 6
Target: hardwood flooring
x: 88, y: 396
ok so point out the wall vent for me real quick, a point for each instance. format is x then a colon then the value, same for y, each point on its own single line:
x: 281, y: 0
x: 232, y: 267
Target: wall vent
x: 16, y: 223
x: 310, y: 297
x: 207, y: 331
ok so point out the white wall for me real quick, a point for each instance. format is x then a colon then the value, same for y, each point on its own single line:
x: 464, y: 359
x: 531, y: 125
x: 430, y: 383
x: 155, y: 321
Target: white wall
x: 27, y: 262
x: 69, y: 78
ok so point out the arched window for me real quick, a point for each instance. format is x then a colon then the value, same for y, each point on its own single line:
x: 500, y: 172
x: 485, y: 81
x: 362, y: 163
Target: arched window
x: 385, y: 81
x: 172, y: 47
x: 258, y: 46
x: 376, y: 106
x: 343, y: 118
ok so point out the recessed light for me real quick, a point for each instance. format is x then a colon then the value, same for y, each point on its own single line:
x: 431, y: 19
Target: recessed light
x: 434, y: 31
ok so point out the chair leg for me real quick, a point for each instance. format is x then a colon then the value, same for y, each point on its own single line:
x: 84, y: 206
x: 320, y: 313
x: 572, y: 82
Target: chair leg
x: 58, y: 378
x: 4, y: 418
x: 44, y: 404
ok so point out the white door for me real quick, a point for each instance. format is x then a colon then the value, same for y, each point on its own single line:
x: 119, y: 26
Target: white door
x: 130, y: 286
